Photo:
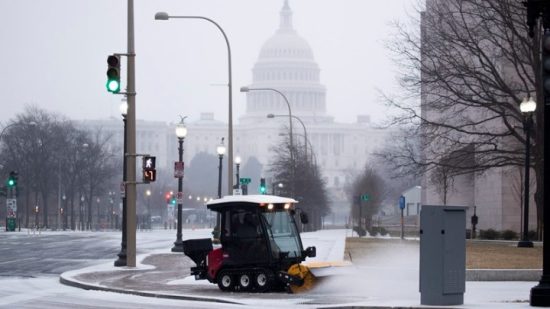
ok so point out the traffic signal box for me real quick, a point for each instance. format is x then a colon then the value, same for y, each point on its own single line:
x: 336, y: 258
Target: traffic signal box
x: 113, y: 73
x: 12, y: 180
x: 263, y: 188
x: 149, y: 170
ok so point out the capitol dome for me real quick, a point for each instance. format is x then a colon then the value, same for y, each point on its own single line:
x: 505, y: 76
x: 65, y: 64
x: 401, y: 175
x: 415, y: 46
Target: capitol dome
x: 286, y: 63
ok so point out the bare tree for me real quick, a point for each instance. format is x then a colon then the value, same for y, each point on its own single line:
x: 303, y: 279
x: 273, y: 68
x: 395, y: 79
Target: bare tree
x: 369, y: 183
x: 470, y: 64
x: 309, y: 187
x: 48, y: 152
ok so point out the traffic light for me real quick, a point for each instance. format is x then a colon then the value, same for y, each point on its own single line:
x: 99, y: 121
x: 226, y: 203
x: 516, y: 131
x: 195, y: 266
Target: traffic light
x: 149, y: 176
x: 546, y: 66
x: 173, y: 201
x: 149, y: 171
x: 168, y: 197
x: 263, y: 188
x: 12, y: 180
x: 113, y: 73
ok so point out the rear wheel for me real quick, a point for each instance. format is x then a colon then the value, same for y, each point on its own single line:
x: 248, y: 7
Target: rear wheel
x: 262, y: 281
x: 225, y: 281
x: 244, y: 281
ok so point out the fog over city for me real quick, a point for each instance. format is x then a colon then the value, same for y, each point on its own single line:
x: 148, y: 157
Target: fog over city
x: 54, y: 54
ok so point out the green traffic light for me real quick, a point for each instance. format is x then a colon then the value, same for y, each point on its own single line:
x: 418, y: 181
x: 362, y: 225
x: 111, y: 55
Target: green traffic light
x: 11, y: 182
x: 113, y: 85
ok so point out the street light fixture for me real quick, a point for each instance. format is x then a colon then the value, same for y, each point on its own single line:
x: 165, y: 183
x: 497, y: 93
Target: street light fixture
x: 64, y: 217
x: 148, y: 196
x: 220, y: 149
x: 238, y: 164
x: 527, y: 107
x: 165, y: 16
x: 181, y: 132
x: 248, y: 89
x: 122, y: 261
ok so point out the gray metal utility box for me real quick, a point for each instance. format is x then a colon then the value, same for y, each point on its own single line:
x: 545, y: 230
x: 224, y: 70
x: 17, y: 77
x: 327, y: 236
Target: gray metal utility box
x: 442, y: 255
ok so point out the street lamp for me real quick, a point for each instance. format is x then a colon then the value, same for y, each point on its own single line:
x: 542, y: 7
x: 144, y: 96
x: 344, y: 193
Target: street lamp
x: 220, y: 149
x: 271, y: 116
x: 148, y: 196
x: 121, y: 261
x: 181, y: 132
x: 238, y: 164
x: 64, y: 216
x: 81, y: 213
x: 247, y: 89
x: 165, y: 16
x: 527, y: 107
x: 36, y: 211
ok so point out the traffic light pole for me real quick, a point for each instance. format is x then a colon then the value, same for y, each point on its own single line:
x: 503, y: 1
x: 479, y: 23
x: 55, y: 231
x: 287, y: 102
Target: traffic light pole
x: 131, y: 144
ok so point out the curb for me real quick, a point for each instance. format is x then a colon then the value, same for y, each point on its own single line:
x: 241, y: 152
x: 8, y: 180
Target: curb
x: 503, y: 274
x: 87, y: 286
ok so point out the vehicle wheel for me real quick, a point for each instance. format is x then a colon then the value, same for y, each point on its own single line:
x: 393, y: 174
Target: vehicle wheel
x: 244, y: 281
x: 262, y: 281
x: 225, y: 281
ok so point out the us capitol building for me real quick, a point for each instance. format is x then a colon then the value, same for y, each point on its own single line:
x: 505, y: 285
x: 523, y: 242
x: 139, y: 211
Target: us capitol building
x: 285, y: 63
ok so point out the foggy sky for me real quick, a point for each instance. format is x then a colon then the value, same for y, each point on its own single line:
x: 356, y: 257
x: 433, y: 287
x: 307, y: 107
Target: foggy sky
x: 53, y: 54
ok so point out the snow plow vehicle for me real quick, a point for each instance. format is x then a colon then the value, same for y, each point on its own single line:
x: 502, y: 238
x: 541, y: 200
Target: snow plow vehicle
x: 261, y: 249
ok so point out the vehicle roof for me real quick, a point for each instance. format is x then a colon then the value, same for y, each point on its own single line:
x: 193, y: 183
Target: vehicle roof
x: 253, y: 199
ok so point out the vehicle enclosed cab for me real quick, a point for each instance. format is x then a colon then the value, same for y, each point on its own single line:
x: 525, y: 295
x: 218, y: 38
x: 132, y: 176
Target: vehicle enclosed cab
x: 261, y: 249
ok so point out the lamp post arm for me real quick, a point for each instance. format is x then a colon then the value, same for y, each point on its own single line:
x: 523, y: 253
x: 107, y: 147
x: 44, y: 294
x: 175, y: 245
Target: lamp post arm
x: 230, y: 111
x: 306, y: 140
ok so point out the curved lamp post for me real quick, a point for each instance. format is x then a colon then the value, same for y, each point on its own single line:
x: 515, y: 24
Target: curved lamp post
x: 181, y: 132
x: 303, y: 126
x: 165, y: 16
x: 527, y: 107
x: 121, y: 261
x: 248, y: 89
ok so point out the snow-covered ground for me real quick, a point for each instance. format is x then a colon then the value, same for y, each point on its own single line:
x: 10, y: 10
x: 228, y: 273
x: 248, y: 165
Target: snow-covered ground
x: 392, y: 281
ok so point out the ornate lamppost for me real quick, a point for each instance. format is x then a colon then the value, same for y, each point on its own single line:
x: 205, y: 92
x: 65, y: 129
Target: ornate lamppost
x: 238, y: 182
x: 181, y: 132
x: 527, y: 107
x: 121, y: 261
x: 220, y: 150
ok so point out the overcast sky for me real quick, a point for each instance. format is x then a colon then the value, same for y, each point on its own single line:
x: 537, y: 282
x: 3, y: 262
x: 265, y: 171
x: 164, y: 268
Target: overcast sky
x: 53, y: 54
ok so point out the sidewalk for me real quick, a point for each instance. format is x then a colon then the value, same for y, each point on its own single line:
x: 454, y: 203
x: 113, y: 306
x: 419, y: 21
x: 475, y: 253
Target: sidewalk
x: 388, y: 284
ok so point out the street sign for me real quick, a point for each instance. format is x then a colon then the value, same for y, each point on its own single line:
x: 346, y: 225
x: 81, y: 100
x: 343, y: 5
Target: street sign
x: 179, y: 198
x: 402, y: 202
x: 178, y: 169
x: 237, y: 192
x: 11, y: 204
x: 244, y: 181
